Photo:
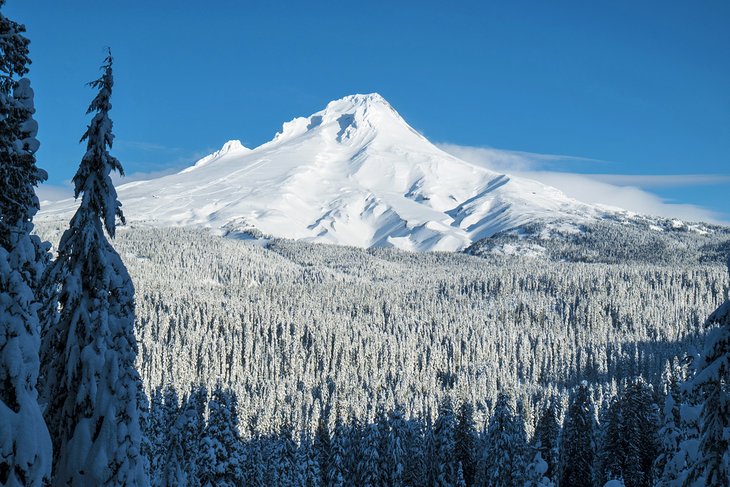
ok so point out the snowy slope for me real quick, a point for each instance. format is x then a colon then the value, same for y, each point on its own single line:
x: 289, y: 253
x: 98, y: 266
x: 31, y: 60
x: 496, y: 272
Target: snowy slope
x: 354, y: 173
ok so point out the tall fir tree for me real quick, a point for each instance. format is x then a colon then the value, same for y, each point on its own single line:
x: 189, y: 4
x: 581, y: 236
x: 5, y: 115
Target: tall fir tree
x: 25, y: 445
x: 547, y: 431
x: 92, y: 389
x: 466, y: 441
x: 173, y: 469
x: 396, y: 448
x: 670, y: 434
x: 223, y: 455
x: 640, y: 425
x: 156, y: 428
x: 575, y: 468
x: 323, y: 447
x: 369, y: 468
x: 503, y: 454
x: 194, y: 433
x: 337, y: 475
x: 611, y: 453
x: 445, y: 462
x: 713, y: 381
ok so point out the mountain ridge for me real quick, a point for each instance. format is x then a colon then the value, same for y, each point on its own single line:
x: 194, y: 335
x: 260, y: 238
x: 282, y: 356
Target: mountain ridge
x: 354, y: 173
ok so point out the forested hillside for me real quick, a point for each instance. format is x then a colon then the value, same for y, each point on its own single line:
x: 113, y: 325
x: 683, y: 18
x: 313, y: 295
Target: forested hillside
x: 294, y: 328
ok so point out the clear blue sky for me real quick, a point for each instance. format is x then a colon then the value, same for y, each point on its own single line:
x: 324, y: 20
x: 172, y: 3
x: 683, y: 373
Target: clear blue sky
x: 643, y: 86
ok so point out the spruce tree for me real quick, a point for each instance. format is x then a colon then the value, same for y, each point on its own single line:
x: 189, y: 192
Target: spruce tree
x: 396, y: 448
x: 612, y: 451
x: 156, y: 429
x: 337, y: 475
x: 445, y: 462
x: 322, y: 448
x: 503, y: 456
x: 713, y: 380
x: 222, y: 456
x: 193, y: 433
x: 466, y: 441
x: 546, y: 437
x: 92, y: 389
x: 369, y: 470
x: 25, y: 445
x: 639, y: 430
x: 576, y: 441
x: 174, y: 469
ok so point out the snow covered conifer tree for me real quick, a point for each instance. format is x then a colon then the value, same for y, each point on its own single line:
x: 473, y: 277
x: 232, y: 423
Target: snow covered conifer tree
x: 91, y: 387
x: 173, y: 470
x: 156, y: 428
x: 576, y: 441
x: 466, y: 441
x: 322, y: 447
x: 445, y: 462
x: 396, y: 448
x: 640, y: 426
x: 336, y: 472
x: 713, y: 378
x: 546, y: 436
x: 25, y: 446
x: 369, y: 470
x: 223, y: 459
x: 503, y: 456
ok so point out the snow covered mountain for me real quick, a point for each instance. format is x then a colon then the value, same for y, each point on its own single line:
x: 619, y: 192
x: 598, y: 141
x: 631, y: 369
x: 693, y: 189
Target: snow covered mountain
x: 354, y: 173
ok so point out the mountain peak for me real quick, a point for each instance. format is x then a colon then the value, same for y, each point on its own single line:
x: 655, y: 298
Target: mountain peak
x: 354, y: 173
x: 358, y: 116
x: 360, y: 100
x: 231, y: 147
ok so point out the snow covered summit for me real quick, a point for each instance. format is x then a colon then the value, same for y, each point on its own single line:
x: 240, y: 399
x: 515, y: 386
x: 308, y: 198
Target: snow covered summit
x: 354, y: 173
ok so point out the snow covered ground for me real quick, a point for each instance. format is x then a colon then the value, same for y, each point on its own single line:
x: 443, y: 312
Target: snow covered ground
x: 355, y: 174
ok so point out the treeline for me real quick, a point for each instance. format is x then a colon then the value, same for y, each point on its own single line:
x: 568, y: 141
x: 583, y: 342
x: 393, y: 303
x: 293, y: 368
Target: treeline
x: 616, y: 239
x: 638, y: 437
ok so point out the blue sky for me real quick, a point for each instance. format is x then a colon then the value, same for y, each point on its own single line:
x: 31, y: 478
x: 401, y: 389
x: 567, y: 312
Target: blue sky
x: 636, y: 90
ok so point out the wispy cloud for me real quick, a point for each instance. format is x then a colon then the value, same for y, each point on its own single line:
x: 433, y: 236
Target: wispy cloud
x: 626, y: 191
x: 54, y: 192
x: 511, y: 161
x: 145, y: 146
x: 662, y: 180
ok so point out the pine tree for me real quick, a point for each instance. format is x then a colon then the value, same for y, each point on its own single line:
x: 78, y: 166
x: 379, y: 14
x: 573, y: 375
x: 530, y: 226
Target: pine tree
x: 284, y: 457
x: 337, y: 474
x: 222, y: 454
x: 576, y: 442
x: 503, y: 455
x: 639, y: 430
x: 155, y: 431
x: 370, y: 462
x: 466, y: 441
x: 670, y: 434
x: 396, y: 448
x: 25, y: 445
x: 546, y: 437
x: 255, y: 466
x: 193, y: 434
x: 174, y: 469
x: 416, y: 467
x: 612, y: 452
x: 713, y: 379
x: 308, y: 474
x: 445, y: 462
x: 322, y: 448
x: 92, y: 388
